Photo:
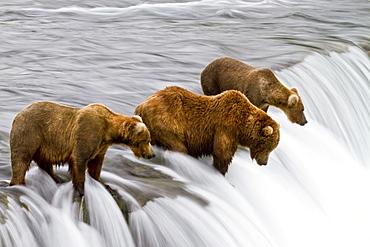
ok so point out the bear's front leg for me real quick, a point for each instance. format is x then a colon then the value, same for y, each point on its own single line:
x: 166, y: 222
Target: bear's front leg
x: 222, y: 163
x: 89, y: 135
x: 94, y: 166
x: 224, y: 149
x: 78, y: 175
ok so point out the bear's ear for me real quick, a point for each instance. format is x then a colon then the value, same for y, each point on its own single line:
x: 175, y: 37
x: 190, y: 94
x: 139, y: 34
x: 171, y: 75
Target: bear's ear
x: 292, y: 100
x: 139, y: 128
x: 295, y: 90
x: 267, y: 130
x: 138, y: 117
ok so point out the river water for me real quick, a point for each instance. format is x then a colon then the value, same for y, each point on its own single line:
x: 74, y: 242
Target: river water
x: 315, y: 191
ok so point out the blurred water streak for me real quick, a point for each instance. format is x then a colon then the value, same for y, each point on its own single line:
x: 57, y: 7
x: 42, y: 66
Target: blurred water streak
x: 314, y: 191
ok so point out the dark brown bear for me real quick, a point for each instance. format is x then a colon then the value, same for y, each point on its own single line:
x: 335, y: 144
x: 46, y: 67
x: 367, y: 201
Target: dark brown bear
x: 209, y: 125
x: 50, y: 133
x: 260, y: 85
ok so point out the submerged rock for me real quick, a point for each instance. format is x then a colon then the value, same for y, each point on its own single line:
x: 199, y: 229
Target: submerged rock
x: 150, y: 183
x: 366, y: 47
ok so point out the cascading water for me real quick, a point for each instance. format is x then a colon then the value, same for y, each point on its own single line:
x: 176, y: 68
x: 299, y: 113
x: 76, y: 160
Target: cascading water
x: 315, y: 190
x: 336, y: 89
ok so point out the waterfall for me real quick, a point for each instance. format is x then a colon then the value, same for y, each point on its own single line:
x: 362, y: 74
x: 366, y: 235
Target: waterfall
x: 315, y: 190
x: 336, y: 89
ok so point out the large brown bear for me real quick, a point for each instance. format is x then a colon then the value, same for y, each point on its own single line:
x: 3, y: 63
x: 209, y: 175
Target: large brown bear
x: 209, y: 125
x: 260, y: 85
x: 50, y: 133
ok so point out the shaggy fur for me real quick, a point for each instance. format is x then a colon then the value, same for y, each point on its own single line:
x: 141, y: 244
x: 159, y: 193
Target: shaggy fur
x: 209, y: 125
x: 259, y: 85
x: 50, y: 133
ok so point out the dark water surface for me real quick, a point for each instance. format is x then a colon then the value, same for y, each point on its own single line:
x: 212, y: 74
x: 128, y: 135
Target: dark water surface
x: 119, y: 52
x: 315, y: 190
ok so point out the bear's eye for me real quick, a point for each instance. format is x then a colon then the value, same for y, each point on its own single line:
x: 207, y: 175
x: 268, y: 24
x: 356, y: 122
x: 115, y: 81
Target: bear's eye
x: 134, y: 144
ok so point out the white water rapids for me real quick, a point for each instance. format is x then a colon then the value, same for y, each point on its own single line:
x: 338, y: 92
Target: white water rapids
x: 315, y: 190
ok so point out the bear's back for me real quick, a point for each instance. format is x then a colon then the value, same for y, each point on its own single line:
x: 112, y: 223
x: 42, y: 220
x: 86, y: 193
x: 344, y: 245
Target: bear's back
x: 176, y: 100
x: 223, y: 74
x: 234, y: 99
x: 44, y: 114
x: 227, y: 73
x: 184, y: 105
x: 98, y: 109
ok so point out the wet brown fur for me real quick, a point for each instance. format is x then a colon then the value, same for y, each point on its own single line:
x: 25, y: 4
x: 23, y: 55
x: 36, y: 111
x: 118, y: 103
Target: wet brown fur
x: 259, y: 85
x: 50, y: 133
x: 208, y: 125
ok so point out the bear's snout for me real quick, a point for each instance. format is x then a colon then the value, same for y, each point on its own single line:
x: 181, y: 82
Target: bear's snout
x: 262, y: 161
x: 302, y: 120
x: 143, y: 151
x: 148, y: 156
x: 147, y: 152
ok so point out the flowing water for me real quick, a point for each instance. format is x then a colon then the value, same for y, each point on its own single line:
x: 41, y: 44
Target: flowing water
x: 315, y: 190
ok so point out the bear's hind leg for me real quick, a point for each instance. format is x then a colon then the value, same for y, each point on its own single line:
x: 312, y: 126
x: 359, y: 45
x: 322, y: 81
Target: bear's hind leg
x: 19, y: 169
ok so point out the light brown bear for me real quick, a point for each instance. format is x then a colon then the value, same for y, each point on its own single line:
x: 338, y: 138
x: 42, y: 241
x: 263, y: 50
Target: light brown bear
x: 209, y: 125
x: 260, y: 85
x: 50, y: 133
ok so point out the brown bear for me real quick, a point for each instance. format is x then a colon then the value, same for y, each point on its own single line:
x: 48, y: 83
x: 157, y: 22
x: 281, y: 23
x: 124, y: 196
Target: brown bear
x: 260, y: 85
x: 50, y: 133
x: 209, y: 125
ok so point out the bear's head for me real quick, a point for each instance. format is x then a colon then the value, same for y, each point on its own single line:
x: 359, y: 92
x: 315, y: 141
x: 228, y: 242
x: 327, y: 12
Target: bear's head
x: 136, y: 135
x: 295, y: 108
x: 267, y: 139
